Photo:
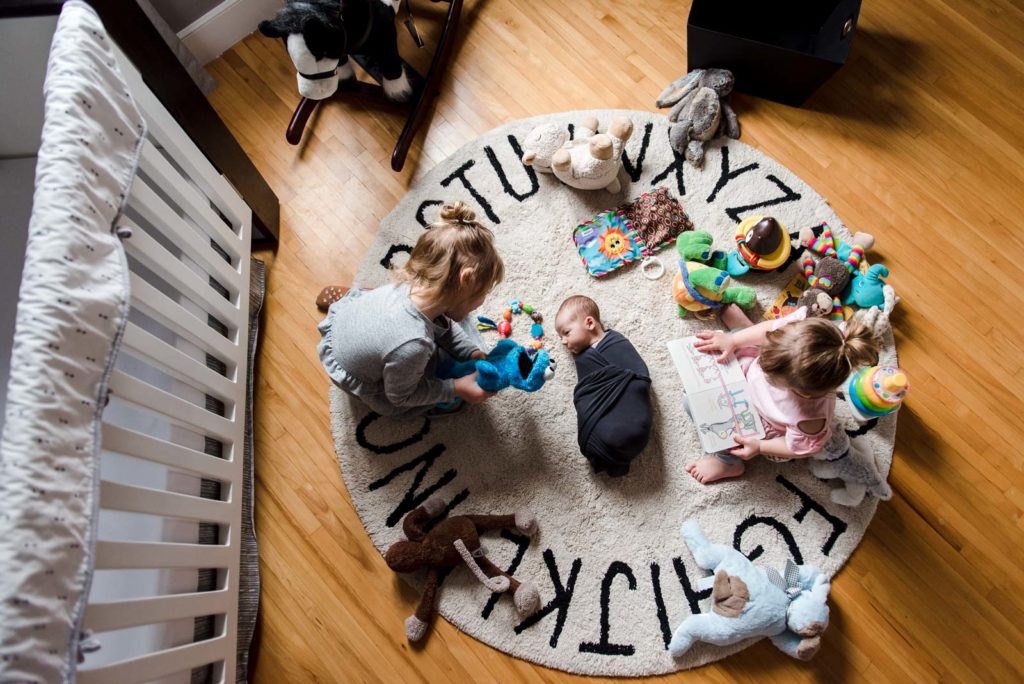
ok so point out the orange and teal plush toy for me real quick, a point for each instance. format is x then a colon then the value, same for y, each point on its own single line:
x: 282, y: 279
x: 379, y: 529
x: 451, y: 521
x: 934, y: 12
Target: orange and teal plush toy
x: 877, y: 391
x: 701, y: 283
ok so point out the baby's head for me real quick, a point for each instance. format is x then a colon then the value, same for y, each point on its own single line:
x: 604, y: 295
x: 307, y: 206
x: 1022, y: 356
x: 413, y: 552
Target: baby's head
x: 578, y: 323
x: 454, y: 263
x: 813, y: 357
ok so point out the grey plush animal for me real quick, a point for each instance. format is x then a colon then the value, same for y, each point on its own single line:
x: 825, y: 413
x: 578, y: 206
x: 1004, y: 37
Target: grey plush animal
x: 701, y: 111
x: 853, y: 462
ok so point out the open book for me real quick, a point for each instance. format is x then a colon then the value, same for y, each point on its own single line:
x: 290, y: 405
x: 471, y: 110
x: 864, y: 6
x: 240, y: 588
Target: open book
x: 716, y: 395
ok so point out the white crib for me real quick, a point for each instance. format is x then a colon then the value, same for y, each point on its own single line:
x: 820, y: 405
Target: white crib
x: 163, y: 595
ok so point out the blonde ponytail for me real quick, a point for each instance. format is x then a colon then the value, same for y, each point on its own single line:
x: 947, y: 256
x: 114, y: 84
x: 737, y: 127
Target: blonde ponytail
x: 814, y: 357
x: 455, y: 260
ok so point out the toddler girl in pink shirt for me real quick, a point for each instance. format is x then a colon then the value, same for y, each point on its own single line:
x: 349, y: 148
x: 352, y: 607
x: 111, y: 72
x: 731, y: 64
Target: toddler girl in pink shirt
x: 793, y: 366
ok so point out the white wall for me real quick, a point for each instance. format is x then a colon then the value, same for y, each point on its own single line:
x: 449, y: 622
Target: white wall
x: 24, y: 48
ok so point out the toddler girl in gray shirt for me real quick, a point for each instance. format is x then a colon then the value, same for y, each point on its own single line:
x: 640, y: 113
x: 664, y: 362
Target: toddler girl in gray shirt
x: 383, y: 345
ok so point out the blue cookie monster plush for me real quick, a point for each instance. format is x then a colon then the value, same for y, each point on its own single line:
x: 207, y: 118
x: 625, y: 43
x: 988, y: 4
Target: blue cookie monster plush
x: 507, y: 365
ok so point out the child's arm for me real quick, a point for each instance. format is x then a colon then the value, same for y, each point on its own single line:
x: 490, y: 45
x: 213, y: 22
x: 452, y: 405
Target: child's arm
x: 749, y: 447
x: 457, y: 343
x: 727, y: 343
x: 404, y: 381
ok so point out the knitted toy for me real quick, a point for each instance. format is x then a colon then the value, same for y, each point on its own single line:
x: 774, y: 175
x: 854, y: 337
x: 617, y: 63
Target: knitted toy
x: 592, y: 160
x: 762, y: 244
x: 750, y: 601
x: 452, y: 542
x: 701, y: 284
x: 701, y: 112
x: 820, y: 305
x: 507, y: 365
x: 853, y: 462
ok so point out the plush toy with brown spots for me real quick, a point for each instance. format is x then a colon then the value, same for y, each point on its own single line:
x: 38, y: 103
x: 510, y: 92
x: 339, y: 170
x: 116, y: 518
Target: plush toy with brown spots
x: 452, y: 542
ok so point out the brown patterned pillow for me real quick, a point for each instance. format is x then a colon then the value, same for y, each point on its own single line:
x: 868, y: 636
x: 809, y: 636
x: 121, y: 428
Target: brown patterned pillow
x: 657, y: 217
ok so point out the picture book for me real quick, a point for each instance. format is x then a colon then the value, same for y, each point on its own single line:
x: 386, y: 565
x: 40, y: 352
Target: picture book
x: 716, y: 395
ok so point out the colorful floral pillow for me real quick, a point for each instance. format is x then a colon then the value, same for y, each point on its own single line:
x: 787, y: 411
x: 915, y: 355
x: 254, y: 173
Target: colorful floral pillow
x: 635, y: 230
x: 606, y: 243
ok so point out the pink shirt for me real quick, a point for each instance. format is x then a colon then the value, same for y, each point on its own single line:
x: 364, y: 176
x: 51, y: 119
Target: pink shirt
x: 782, y: 409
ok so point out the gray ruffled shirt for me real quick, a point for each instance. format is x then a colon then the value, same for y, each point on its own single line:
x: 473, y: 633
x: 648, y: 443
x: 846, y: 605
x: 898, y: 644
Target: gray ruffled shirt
x: 376, y: 345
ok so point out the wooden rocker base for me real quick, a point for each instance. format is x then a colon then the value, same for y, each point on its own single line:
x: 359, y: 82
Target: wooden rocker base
x: 424, y: 89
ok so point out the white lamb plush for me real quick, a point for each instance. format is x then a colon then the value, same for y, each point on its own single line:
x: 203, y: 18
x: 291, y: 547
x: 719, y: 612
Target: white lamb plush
x: 853, y: 462
x: 590, y: 161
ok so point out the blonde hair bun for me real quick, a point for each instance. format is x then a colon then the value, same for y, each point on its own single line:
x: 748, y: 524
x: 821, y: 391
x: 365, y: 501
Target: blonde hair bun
x: 457, y: 212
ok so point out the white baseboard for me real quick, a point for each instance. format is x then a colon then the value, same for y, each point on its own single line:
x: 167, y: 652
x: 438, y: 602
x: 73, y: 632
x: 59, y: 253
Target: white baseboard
x: 212, y: 34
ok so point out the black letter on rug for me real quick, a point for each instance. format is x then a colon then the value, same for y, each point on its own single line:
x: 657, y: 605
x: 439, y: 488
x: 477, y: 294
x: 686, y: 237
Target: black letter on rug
x: 411, y: 499
x: 385, y: 449
x: 530, y: 173
x: 603, y: 647
x: 659, y: 601
x: 460, y: 173
x: 692, y: 597
x: 789, y: 196
x: 737, y: 539
x: 563, y: 597
x: 392, y: 251
x: 725, y: 176
x: 809, y: 504
x: 420, y: 218
x: 677, y: 167
x: 522, y: 544
x: 634, y: 172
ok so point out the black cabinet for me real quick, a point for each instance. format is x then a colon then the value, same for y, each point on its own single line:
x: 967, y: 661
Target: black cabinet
x: 782, y: 50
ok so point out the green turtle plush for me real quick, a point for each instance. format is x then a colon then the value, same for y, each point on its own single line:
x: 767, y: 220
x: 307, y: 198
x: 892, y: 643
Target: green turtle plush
x: 701, y: 283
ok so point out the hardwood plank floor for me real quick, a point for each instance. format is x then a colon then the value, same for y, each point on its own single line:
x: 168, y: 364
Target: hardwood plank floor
x: 918, y: 139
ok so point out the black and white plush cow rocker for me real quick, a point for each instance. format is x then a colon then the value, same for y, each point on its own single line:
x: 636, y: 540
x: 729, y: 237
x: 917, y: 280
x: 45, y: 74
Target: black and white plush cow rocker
x: 320, y: 34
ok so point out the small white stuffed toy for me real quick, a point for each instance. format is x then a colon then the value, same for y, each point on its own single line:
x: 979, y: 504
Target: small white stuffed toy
x: 853, y: 462
x: 590, y: 161
x: 747, y: 601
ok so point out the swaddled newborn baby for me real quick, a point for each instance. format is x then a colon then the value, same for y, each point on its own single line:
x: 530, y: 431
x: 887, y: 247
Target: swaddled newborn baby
x: 612, y: 395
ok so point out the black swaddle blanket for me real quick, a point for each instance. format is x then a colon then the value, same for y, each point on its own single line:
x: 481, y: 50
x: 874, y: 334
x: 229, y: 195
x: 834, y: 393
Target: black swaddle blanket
x: 613, y: 404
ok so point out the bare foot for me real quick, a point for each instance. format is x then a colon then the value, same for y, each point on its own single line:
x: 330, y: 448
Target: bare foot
x: 734, y: 318
x: 711, y: 469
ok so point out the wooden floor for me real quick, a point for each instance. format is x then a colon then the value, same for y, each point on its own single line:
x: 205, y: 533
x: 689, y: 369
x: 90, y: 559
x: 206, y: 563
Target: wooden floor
x: 919, y: 139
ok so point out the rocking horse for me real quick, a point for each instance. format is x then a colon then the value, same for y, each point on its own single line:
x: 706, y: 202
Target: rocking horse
x: 322, y: 35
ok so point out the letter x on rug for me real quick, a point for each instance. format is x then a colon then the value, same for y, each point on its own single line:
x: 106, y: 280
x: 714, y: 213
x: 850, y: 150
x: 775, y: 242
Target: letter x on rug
x: 614, y: 576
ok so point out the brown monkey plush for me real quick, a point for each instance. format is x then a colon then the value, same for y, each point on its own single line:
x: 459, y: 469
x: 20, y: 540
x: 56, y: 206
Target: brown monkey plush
x: 452, y: 542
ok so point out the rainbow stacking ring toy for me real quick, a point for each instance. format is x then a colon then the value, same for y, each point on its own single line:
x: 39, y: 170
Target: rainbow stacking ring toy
x: 878, y: 391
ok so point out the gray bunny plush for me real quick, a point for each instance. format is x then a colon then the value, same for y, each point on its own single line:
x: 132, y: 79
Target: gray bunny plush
x: 700, y: 111
x: 853, y: 462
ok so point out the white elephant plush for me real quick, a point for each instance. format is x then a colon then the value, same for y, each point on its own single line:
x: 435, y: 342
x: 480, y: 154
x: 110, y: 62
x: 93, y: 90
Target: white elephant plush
x: 590, y: 161
x: 748, y: 601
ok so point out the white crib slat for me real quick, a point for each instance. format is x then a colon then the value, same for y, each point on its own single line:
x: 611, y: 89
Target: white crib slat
x: 113, y: 555
x: 175, y: 409
x: 184, y: 152
x: 176, y: 363
x: 123, y: 441
x: 115, y: 496
x: 157, y: 259
x: 104, y: 617
x: 144, y: 200
x: 183, y: 322
x: 189, y: 199
x: 156, y: 665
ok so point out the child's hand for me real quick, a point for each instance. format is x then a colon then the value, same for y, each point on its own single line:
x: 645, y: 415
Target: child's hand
x: 469, y: 391
x: 748, y: 448
x: 479, y: 355
x: 711, y: 342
